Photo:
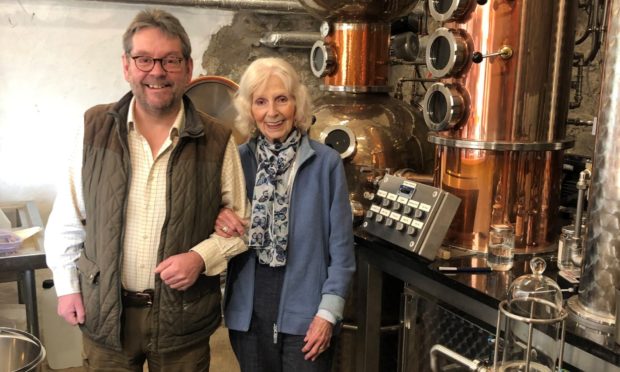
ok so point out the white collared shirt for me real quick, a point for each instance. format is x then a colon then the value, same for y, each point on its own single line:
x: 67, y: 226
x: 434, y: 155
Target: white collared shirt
x: 145, y: 213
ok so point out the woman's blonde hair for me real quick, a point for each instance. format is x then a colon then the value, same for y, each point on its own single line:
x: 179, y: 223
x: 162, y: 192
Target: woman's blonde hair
x: 257, y: 73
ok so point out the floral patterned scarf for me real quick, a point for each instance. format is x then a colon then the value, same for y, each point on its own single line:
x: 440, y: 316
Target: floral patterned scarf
x: 268, y: 232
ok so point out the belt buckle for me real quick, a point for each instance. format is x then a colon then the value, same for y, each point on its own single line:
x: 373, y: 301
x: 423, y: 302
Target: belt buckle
x: 143, y: 298
x: 148, y: 295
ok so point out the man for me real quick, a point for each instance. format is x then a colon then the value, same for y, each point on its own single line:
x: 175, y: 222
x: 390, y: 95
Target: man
x: 130, y: 239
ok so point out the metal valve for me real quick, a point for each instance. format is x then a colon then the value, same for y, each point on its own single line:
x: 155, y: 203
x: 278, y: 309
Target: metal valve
x: 505, y: 52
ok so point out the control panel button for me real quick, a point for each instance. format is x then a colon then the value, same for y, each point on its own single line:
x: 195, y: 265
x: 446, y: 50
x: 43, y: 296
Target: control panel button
x: 419, y: 214
x: 407, y: 210
x: 389, y: 222
x: 396, y: 206
x: 385, y: 203
x: 400, y: 226
x: 370, y: 214
x: 412, y: 231
x: 379, y: 218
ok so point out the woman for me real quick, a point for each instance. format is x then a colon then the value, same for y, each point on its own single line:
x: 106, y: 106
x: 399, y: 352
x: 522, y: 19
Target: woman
x: 285, y: 296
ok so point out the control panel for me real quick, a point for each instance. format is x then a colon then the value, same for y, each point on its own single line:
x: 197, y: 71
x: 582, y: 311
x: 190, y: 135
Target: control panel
x: 412, y: 215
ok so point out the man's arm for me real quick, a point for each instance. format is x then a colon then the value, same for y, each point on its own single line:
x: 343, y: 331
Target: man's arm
x: 182, y: 270
x: 64, y: 236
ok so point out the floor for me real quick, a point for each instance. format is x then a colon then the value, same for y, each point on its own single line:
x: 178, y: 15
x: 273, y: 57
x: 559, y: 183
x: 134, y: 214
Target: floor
x: 52, y: 328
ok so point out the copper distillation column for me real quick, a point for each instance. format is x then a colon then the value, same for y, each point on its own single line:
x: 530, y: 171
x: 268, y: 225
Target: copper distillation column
x: 498, y: 114
x: 373, y: 132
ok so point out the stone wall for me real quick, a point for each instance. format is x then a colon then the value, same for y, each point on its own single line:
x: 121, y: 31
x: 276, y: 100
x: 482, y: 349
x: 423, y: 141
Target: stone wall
x: 234, y: 47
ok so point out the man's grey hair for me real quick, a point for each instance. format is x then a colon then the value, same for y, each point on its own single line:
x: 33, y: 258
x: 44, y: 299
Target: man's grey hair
x: 162, y: 20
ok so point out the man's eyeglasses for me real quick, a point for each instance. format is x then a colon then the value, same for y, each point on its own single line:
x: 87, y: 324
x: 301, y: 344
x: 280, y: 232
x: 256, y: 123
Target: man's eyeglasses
x: 169, y: 64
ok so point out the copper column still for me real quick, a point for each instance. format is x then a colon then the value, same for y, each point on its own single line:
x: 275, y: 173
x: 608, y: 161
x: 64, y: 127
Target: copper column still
x: 595, y: 306
x: 373, y: 132
x: 498, y: 114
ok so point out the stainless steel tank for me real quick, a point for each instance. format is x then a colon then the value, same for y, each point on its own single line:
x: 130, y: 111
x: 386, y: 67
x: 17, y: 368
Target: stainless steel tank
x: 498, y: 114
x: 372, y: 131
x: 596, y: 304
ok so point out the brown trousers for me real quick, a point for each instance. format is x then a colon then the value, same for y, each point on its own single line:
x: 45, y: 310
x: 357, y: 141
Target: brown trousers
x: 136, y: 350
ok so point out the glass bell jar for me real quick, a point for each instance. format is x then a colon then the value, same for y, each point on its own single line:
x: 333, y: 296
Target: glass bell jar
x: 531, y: 324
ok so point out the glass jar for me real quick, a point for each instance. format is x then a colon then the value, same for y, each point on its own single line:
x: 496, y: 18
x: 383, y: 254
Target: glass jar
x: 570, y: 249
x: 501, y: 247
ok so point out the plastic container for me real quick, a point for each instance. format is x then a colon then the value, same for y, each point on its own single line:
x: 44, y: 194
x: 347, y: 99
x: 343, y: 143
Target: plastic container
x: 9, y: 242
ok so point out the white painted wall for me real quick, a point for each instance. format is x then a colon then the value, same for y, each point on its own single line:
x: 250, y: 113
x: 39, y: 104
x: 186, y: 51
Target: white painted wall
x: 58, y: 58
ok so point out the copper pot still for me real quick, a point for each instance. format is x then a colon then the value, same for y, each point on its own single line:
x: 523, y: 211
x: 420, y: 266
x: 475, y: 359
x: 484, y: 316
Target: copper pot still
x: 373, y: 132
x: 498, y: 114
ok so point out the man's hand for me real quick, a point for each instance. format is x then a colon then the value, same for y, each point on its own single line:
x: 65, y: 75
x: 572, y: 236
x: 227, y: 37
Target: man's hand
x: 228, y: 224
x: 317, y: 338
x: 181, y: 271
x: 71, y: 308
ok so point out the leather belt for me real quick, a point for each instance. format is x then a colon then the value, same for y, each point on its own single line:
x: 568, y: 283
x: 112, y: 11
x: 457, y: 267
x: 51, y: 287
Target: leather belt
x: 138, y: 299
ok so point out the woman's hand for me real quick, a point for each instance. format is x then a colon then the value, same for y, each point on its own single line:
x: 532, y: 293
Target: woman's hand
x: 228, y: 224
x: 317, y: 338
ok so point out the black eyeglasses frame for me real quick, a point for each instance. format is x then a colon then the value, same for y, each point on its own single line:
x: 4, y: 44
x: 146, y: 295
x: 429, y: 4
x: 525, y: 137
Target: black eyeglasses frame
x: 155, y: 60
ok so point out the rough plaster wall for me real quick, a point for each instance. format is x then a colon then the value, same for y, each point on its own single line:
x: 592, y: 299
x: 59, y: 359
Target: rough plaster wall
x: 60, y: 57
x: 234, y: 47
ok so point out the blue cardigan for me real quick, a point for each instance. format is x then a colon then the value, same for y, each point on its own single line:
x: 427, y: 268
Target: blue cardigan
x: 320, y: 259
